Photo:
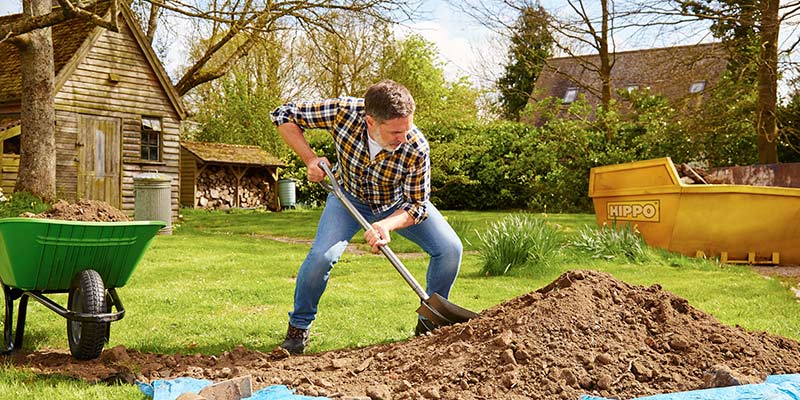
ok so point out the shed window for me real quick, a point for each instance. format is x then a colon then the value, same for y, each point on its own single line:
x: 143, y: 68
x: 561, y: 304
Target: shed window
x: 151, y: 138
x: 570, y: 95
x: 697, y: 87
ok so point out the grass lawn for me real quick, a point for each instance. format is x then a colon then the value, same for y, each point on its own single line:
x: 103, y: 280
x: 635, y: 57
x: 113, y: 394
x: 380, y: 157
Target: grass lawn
x: 220, y: 281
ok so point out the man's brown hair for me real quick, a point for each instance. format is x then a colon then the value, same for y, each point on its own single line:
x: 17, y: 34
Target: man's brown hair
x: 387, y: 100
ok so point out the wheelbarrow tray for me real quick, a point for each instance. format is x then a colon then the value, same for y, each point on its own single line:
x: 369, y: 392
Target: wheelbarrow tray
x: 45, y: 254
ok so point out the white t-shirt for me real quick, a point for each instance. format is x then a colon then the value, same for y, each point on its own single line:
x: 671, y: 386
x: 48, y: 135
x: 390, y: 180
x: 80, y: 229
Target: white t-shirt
x: 374, y: 147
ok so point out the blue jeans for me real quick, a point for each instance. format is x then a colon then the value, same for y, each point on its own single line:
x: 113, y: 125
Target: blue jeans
x: 337, y: 227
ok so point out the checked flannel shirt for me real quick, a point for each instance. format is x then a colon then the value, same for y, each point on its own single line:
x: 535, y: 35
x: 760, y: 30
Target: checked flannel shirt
x: 401, y: 177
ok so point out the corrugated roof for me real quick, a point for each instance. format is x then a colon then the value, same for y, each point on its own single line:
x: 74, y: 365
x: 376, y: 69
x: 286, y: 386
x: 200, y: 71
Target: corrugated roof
x: 67, y: 39
x: 232, y: 154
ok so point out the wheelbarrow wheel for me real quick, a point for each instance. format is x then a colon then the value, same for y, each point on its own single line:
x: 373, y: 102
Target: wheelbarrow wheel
x: 87, y: 294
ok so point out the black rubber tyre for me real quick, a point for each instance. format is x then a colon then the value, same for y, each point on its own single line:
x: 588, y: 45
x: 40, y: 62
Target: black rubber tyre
x: 87, y: 294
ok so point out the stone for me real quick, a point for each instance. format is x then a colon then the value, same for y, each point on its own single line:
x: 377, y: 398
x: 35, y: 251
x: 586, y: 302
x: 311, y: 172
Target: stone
x: 190, y: 396
x: 508, y: 357
x: 722, y: 376
x: 504, y: 339
x: 379, y: 392
x: 232, y: 389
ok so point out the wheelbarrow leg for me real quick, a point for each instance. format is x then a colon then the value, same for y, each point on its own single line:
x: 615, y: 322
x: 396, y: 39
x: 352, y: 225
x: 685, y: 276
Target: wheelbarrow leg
x: 15, y: 344
x: 8, y: 344
x: 22, y: 312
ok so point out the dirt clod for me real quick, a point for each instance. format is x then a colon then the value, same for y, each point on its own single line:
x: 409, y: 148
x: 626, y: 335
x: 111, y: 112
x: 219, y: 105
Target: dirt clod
x: 586, y: 332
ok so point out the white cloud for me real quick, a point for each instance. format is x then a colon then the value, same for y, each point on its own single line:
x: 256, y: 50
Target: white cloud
x: 464, y: 46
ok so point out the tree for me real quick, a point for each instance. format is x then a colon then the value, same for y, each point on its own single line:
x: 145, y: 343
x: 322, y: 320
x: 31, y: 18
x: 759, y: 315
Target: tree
x: 441, y: 106
x: 235, y: 26
x: 531, y: 45
x: 37, y: 163
x: 346, y: 61
x: 236, y: 108
x: 86, y: 9
x: 766, y: 121
x: 31, y: 34
x: 751, y: 28
x: 582, y: 27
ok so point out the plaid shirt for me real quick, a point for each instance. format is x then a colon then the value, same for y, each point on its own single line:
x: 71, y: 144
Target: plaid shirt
x: 401, y: 177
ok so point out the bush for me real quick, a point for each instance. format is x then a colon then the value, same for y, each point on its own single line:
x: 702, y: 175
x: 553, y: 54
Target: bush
x: 21, y: 202
x: 610, y: 242
x: 516, y: 242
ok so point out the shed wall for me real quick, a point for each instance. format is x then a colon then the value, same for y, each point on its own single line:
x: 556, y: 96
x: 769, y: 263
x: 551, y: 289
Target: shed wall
x: 115, y: 80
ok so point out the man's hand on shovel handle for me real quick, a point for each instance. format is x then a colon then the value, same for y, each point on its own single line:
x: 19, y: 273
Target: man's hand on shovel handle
x: 377, y: 236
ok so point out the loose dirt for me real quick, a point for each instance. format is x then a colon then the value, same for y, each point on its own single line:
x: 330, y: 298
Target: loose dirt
x: 585, y: 333
x: 82, y: 210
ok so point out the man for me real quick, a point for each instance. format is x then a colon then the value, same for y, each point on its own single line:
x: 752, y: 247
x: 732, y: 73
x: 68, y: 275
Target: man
x: 384, y: 170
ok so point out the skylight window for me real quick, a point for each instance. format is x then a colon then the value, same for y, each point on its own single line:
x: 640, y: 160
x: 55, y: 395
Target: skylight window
x: 570, y: 95
x: 697, y: 87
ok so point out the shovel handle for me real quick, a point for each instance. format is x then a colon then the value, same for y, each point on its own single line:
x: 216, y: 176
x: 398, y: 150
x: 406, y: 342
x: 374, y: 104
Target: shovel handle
x: 334, y: 188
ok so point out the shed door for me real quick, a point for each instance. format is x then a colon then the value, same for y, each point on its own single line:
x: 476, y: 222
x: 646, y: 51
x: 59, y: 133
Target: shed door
x: 99, y: 151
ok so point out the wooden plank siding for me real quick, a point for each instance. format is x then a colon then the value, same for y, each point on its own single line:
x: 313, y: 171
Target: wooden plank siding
x: 135, y: 92
x: 188, y: 178
x: 9, y: 168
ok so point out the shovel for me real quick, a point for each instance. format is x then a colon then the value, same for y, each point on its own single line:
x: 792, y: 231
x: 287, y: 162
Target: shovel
x: 434, y: 307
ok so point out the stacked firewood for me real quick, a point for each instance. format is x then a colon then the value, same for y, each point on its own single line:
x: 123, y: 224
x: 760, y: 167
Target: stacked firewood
x: 216, y: 189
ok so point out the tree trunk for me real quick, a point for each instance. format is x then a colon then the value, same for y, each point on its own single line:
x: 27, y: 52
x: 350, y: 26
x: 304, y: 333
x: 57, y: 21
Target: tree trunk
x: 605, y: 67
x: 37, y: 164
x: 766, y: 124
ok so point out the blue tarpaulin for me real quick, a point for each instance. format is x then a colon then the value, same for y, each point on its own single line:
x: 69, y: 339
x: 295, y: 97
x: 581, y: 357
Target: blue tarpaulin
x: 170, y: 389
x: 776, y: 387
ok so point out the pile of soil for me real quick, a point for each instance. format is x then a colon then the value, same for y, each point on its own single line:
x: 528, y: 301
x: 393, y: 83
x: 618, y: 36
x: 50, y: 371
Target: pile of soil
x: 585, y: 333
x: 83, y: 210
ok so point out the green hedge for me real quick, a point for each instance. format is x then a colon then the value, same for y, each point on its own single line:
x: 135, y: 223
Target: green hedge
x: 510, y: 165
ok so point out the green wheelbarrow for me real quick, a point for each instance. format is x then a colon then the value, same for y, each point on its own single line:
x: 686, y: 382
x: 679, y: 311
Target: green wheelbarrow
x: 87, y: 260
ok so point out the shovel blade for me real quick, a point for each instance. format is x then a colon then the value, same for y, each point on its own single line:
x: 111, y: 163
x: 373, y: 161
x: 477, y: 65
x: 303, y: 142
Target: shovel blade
x: 441, y: 312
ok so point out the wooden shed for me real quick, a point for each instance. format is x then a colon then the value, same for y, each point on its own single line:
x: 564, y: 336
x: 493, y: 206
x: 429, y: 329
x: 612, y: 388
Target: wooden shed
x: 117, y: 112
x: 222, y: 176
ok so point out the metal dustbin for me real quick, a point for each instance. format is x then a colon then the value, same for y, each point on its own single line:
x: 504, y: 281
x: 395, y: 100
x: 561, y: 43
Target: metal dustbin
x: 153, y: 199
x: 286, y: 193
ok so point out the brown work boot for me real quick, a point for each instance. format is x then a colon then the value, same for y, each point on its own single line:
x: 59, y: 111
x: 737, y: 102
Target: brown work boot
x: 296, y: 340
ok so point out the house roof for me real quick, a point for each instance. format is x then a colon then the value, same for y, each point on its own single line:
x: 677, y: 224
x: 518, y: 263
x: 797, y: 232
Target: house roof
x: 668, y: 71
x: 69, y: 37
x: 232, y: 154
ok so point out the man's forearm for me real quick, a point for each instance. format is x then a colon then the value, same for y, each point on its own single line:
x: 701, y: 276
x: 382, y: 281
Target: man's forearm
x: 292, y: 134
x: 398, y: 220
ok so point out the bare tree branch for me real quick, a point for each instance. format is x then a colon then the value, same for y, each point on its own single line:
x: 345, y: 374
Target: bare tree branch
x: 67, y: 11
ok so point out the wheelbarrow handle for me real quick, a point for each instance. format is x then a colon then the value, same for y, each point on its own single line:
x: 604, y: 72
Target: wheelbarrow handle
x: 334, y: 188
